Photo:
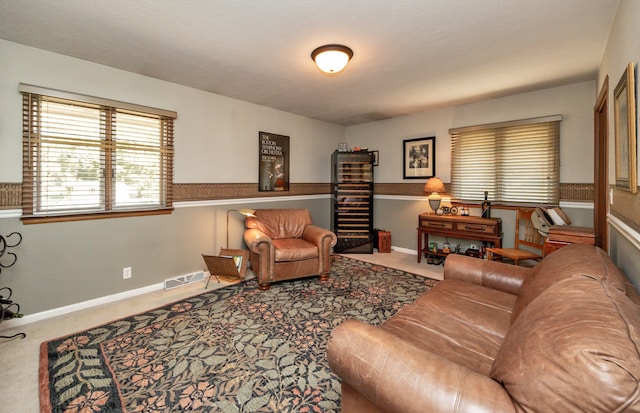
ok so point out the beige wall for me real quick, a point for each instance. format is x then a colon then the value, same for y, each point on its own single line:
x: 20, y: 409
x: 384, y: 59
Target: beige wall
x: 61, y: 264
x: 624, y: 219
x: 574, y: 102
x: 216, y: 141
x: 400, y: 214
x: 216, y: 138
x: 386, y: 136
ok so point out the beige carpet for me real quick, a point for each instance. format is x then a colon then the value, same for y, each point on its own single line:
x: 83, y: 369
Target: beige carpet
x: 19, y: 358
x: 402, y: 261
x: 237, y: 349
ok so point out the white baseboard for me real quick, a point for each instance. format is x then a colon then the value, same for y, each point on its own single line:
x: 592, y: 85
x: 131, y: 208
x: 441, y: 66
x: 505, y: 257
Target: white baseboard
x: 404, y: 250
x: 44, y: 315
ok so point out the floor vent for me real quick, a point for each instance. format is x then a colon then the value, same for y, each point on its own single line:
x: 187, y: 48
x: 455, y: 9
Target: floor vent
x: 183, y: 280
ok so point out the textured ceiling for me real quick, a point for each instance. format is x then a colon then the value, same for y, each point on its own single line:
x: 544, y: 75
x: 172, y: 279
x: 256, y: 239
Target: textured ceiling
x: 409, y: 55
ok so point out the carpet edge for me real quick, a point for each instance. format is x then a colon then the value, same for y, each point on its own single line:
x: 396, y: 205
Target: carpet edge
x: 43, y: 379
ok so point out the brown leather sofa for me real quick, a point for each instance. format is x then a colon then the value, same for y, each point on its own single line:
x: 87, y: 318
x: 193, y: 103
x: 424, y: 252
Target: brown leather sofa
x: 284, y: 244
x: 562, y: 336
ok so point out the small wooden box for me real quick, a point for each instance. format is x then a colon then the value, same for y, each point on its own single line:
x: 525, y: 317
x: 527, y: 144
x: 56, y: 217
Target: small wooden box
x: 563, y: 235
x: 384, y: 241
x: 572, y: 234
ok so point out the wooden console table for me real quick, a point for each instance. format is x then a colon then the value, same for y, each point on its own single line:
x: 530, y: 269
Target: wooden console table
x: 457, y: 226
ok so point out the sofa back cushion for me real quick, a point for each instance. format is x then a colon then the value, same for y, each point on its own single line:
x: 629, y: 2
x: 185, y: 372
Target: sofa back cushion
x: 573, y: 349
x: 576, y: 260
x: 280, y: 223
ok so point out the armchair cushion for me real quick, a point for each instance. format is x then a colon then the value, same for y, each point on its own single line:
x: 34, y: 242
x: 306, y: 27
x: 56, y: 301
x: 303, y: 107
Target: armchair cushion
x: 294, y: 249
x: 279, y: 223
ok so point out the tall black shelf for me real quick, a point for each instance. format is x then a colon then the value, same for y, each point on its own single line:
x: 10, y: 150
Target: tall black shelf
x: 352, y: 200
x: 8, y: 308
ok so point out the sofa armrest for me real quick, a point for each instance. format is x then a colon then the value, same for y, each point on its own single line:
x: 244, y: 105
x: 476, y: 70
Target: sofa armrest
x: 492, y: 274
x: 396, y: 376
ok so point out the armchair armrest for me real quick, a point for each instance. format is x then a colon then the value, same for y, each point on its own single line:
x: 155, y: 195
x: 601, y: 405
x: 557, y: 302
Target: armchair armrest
x: 324, y: 239
x: 262, y: 255
x: 256, y: 240
x: 492, y: 274
x: 395, y: 376
x: 317, y: 235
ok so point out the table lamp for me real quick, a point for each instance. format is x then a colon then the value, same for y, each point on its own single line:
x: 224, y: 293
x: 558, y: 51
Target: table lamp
x: 433, y: 187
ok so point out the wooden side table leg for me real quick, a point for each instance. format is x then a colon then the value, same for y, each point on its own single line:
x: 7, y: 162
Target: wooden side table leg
x: 423, y: 239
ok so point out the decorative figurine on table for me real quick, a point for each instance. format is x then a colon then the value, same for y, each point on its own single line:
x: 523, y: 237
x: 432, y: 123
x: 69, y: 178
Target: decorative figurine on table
x: 486, y: 206
x: 447, y: 210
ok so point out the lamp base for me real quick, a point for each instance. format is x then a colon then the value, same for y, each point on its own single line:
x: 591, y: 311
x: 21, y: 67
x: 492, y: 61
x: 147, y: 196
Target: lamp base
x: 435, y: 204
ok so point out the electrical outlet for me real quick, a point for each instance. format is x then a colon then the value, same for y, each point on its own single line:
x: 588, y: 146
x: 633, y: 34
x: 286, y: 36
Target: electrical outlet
x: 126, y: 273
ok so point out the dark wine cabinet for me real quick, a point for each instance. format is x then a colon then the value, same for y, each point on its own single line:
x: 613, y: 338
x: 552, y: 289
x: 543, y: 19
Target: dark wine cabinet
x: 352, y: 200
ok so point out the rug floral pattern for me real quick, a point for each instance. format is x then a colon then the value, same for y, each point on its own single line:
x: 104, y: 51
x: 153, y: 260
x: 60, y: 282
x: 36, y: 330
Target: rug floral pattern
x: 237, y: 349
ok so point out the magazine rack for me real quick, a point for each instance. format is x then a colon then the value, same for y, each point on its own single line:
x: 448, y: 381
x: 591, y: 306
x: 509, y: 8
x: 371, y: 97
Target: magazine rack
x: 230, y: 265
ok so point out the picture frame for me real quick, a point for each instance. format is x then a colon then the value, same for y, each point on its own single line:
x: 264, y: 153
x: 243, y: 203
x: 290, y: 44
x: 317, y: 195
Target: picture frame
x: 273, y: 155
x: 625, y: 131
x: 419, y: 158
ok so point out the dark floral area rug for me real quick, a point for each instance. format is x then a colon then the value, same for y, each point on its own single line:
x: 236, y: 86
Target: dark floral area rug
x: 237, y: 349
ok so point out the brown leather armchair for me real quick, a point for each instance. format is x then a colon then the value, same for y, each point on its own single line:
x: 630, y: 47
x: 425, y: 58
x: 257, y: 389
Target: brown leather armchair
x: 284, y: 244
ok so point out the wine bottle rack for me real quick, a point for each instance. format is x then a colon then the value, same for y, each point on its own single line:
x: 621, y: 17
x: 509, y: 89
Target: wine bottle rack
x: 352, y: 219
x: 8, y: 308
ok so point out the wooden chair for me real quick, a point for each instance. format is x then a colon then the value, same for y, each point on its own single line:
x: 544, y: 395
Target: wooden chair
x: 526, y: 235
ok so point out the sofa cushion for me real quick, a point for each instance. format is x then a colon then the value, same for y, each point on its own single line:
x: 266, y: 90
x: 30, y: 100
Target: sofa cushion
x: 462, y: 322
x: 574, y: 348
x: 294, y: 249
x: 280, y: 223
x: 576, y: 260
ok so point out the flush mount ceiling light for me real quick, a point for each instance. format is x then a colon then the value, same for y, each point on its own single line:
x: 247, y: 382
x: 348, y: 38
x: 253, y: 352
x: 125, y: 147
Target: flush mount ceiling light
x: 332, y: 58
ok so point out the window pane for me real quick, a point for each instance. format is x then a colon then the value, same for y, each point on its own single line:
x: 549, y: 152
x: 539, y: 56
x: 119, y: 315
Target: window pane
x: 138, y: 163
x: 85, y: 156
x: 68, y: 166
x: 474, y: 165
x: 514, y: 163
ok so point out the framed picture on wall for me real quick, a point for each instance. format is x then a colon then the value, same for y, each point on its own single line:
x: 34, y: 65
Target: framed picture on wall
x: 625, y: 130
x: 273, y: 162
x: 419, y: 158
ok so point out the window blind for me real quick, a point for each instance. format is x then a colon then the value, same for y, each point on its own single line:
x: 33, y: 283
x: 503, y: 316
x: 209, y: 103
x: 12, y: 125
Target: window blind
x: 515, y: 161
x: 82, y: 157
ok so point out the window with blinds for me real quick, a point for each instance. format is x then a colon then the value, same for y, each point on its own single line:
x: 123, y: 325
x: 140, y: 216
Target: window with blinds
x: 515, y: 161
x: 88, y: 157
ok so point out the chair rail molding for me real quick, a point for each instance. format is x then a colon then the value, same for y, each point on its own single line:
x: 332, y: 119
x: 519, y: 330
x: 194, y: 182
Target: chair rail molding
x: 625, y: 230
